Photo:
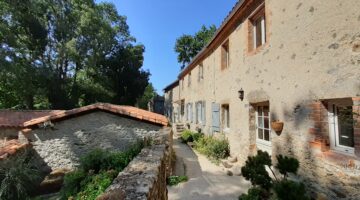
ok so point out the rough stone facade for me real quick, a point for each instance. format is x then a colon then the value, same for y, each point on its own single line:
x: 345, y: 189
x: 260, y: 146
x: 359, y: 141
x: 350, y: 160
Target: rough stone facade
x: 145, y: 176
x: 311, y: 57
x: 63, y: 145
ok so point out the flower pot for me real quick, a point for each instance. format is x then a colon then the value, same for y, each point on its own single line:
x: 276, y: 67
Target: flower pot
x: 277, y: 126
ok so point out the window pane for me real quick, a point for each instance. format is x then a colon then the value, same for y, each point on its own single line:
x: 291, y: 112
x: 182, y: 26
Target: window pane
x: 266, y: 110
x: 260, y: 134
x: 266, y: 122
x: 260, y: 122
x: 266, y: 135
x: 258, y: 32
x: 346, y: 126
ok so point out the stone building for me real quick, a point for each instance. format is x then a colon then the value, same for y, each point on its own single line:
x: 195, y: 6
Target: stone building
x: 294, y: 63
x: 60, y: 138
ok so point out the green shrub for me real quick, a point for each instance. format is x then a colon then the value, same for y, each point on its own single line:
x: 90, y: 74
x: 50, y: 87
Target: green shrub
x: 73, y: 183
x: 99, y: 159
x: 95, y: 160
x: 196, y: 136
x: 287, y: 165
x: 19, y: 176
x: 213, y: 148
x: 255, y: 171
x: 186, y: 136
x: 97, y: 170
x: 174, y: 180
x: 96, y: 185
x: 254, y: 193
x: 290, y: 190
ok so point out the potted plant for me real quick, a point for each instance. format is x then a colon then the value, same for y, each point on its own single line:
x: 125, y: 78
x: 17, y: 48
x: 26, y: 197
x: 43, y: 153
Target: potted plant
x: 277, y: 126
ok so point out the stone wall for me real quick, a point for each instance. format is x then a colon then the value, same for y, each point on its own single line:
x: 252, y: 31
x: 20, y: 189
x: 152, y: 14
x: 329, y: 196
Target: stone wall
x: 145, y: 176
x: 64, y: 144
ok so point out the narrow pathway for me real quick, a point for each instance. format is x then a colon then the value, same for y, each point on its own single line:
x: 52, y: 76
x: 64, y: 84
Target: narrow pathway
x: 207, y: 181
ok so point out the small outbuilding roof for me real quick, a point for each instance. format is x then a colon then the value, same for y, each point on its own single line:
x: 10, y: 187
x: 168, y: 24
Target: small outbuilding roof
x: 23, y: 119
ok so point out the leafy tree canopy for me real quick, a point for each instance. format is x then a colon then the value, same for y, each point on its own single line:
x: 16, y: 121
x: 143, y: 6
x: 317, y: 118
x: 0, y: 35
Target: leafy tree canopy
x: 188, y: 46
x: 67, y: 53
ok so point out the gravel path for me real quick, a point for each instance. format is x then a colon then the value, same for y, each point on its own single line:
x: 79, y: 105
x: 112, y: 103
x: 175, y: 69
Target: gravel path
x: 207, y: 181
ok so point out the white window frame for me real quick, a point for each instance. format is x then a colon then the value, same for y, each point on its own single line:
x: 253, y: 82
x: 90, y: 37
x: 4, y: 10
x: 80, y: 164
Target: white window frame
x: 263, y: 31
x: 258, y: 140
x: 334, y: 131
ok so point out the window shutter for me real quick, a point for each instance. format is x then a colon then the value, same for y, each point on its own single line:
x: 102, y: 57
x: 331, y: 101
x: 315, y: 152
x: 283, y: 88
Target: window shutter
x: 190, y: 113
x: 203, y: 112
x: 215, y: 117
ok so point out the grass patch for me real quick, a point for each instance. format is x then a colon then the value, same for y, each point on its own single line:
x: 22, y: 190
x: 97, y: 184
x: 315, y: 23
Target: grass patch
x: 175, y: 180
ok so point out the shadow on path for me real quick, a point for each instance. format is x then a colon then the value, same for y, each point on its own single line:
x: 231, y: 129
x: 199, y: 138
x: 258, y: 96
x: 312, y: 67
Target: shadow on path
x: 207, y: 181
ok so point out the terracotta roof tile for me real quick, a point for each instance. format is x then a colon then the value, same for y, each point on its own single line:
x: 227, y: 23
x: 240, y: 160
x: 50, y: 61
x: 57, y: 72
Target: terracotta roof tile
x: 13, y: 119
x: 10, y: 147
x: 124, y: 110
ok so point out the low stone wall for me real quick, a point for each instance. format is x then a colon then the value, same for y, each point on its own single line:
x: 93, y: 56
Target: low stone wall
x: 145, y: 176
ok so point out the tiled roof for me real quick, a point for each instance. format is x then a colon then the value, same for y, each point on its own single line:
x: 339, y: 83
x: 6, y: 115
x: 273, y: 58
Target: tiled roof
x: 12, y: 118
x: 57, y: 115
x: 10, y: 147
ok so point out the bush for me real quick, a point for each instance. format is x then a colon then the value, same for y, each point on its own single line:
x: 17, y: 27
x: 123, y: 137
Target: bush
x: 213, y: 148
x: 290, y: 190
x: 73, y: 183
x: 99, y: 159
x: 254, y: 193
x: 196, y: 136
x: 19, y: 176
x: 186, y: 136
x: 255, y: 171
x: 96, y: 184
x: 174, y: 180
x: 97, y: 170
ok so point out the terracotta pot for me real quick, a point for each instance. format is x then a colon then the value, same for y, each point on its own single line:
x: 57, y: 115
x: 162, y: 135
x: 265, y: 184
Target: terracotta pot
x: 277, y: 126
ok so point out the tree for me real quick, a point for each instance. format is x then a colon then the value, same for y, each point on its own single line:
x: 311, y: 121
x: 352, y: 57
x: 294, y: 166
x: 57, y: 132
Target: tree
x: 188, y: 46
x: 50, y: 52
x: 149, y: 93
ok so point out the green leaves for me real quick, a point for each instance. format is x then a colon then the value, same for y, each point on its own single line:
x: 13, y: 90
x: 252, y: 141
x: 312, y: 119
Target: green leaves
x: 188, y: 46
x: 56, y: 51
x: 287, y: 165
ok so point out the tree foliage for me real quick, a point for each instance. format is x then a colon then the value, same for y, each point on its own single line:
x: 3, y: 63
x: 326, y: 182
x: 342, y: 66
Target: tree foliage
x: 188, y: 46
x: 149, y: 93
x: 67, y: 53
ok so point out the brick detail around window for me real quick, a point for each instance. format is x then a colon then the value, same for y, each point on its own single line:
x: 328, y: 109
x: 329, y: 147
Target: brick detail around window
x: 356, y: 111
x: 320, y: 126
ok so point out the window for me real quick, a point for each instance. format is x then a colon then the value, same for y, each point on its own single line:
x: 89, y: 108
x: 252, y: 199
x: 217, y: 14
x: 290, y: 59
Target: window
x: 258, y: 26
x: 225, y: 55
x: 189, y: 79
x: 200, y: 112
x: 201, y: 72
x: 189, y: 112
x: 225, y: 116
x: 263, y: 125
x: 182, y: 107
x: 341, y: 126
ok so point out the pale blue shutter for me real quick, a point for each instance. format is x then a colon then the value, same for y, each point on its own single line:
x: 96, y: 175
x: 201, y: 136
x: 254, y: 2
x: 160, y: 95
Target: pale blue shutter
x: 203, y: 112
x: 191, y: 112
x: 215, y: 117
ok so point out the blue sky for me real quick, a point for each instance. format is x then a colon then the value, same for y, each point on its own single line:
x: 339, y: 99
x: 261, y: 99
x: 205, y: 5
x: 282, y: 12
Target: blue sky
x: 157, y: 24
